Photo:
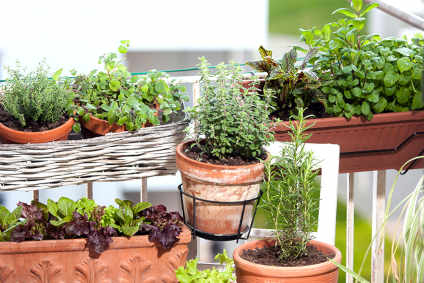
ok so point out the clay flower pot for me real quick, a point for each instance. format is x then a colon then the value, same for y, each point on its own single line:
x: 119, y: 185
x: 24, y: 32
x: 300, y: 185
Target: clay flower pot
x: 247, y: 271
x: 134, y: 259
x: 8, y: 135
x: 218, y: 183
x: 101, y: 127
x: 385, y: 142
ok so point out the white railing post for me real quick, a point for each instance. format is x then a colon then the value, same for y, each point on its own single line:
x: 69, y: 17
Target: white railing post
x: 378, y: 211
x: 350, y: 224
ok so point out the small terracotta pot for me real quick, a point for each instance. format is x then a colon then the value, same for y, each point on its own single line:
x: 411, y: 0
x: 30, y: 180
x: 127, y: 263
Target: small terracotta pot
x: 218, y: 183
x: 249, y: 272
x: 101, y: 127
x: 9, y: 135
x: 134, y: 259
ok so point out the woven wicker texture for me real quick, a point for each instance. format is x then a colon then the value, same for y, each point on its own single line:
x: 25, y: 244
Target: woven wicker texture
x: 114, y: 157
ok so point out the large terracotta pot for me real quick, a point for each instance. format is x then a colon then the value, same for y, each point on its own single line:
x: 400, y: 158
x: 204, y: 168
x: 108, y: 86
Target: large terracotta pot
x: 8, y: 135
x: 218, y: 183
x: 101, y: 127
x: 249, y: 272
x: 385, y: 142
x: 134, y: 259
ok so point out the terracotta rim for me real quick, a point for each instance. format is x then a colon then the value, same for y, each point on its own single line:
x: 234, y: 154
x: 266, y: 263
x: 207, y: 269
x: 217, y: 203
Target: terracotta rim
x: 333, y: 122
x: 266, y: 270
x: 101, y: 127
x: 236, y: 174
x: 80, y: 244
x: 37, y: 137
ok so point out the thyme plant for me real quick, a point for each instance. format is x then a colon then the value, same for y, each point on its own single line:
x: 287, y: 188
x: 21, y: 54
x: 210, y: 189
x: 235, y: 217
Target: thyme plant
x: 232, y: 121
x: 289, y: 196
x: 33, y: 96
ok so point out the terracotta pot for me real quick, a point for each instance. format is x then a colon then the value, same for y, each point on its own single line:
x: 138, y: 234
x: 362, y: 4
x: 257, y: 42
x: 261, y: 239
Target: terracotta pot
x: 134, y: 259
x: 385, y: 142
x: 9, y: 135
x: 249, y: 272
x: 218, y: 183
x: 101, y: 127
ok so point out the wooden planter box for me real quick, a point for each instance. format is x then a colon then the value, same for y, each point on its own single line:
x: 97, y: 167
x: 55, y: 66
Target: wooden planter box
x: 385, y: 142
x: 134, y: 259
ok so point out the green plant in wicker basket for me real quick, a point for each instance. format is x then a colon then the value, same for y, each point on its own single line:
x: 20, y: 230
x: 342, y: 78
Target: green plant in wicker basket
x: 114, y: 95
x: 231, y: 121
x: 33, y: 96
x: 289, y: 196
x: 362, y: 74
x: 293, y: 84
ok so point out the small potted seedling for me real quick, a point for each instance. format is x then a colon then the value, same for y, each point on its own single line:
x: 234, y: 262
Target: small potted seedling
x: 35, y: 108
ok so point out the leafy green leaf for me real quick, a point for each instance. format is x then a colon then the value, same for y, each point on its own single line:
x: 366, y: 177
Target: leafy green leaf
x: 114, y: 85
x: 368, y: 9
x: 345, y: 11
x: 404, y: 64
x: 417, y: 101
x: 356, y: 4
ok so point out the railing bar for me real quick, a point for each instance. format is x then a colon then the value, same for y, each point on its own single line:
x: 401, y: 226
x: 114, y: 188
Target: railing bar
x: 143, y: 190
x: 89, y: 190
x: 378, y: 210
x: 36, y: 195
x: 350, y: 224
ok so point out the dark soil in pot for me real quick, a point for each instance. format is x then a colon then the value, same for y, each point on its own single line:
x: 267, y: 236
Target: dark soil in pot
x: 269, y: 256
x: 194, y: 152
x: 32, y: 126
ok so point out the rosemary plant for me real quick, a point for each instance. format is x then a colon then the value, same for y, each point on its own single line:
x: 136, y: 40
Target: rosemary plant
x: 289, y: 197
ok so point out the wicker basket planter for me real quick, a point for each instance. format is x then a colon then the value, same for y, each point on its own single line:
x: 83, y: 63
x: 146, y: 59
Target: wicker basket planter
x: 134, y: 259
x: 114, y: 157
x: 385, y: 142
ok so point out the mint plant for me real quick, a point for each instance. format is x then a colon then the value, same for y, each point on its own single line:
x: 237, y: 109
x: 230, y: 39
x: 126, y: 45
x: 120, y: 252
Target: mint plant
x: 361, y: 73
x: 33, y: 96
x: 114, y: 95
x: 232, y: 121
x: 293, y: 84
x: 289, y: 192
x: 190, y: 273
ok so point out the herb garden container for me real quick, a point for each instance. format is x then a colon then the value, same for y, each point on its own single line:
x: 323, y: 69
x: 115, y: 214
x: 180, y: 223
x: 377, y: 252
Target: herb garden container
x: 9, y: 135
x: 385, y: 142
x: 220, y: 183
x: 134, y: 259
x: 247, y: 271
x: 101, y: 127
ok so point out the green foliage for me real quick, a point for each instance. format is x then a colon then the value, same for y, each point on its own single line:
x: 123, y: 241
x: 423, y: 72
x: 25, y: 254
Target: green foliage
x: 289, y: 192
x: 126, y: 218
x: 8, y: 221
x: 292, y: 85
x: 361, y: 73
x: 33, y: 96
x: 190, y: 274
x: 116, y: 96
x: 232, y: 118
x: 62, y: 210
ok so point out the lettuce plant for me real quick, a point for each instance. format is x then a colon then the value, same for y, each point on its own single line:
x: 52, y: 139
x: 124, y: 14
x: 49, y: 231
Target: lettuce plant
x: 67, y: 219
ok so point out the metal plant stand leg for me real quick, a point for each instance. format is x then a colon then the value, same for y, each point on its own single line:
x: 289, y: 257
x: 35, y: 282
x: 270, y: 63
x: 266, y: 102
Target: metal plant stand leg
x: 379, y: 207
x: 350, y: 224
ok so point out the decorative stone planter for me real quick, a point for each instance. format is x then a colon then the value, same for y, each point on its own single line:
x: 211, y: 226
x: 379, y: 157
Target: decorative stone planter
x: 385, y: 142
x: 8, y: 135
x: 247, y: 271
x: 134, y: 259
x: 218, y: 183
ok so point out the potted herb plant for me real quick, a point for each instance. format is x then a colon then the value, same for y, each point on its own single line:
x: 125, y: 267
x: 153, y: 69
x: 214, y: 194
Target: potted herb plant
x: 67, y: 241
x: 370, y: 89
x: 224, y: 160
x: 35, y: 108
x: 114, y: 101
x: 289, y: 201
